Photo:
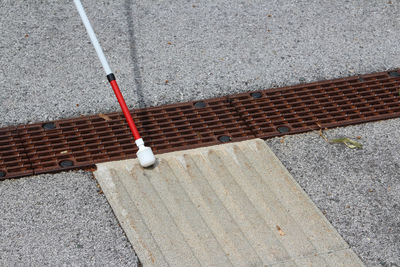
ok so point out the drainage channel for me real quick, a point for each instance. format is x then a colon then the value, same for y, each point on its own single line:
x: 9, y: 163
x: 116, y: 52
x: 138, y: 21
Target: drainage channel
x: 82, y: 142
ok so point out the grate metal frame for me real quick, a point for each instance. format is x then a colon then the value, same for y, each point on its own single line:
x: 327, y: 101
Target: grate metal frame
x: 82, y: 142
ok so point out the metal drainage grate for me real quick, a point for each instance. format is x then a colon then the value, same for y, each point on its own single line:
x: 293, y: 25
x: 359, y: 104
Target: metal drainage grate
x: 318, y: 105
x: 13, y: 159
x: 85, y: 141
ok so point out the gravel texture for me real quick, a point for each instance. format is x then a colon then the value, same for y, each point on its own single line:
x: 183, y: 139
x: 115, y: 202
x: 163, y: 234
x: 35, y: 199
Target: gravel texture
x: 356, y: 189
x: 172, y: 51
x: 59, y: 219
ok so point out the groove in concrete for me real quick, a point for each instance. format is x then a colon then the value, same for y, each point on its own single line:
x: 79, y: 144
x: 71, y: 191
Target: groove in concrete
x: 226, y: 205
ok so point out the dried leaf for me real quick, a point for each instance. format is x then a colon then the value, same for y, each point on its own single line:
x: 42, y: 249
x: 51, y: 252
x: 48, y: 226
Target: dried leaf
x: 104, y: 117
x: 347, y: 141
x: 64, y: 152
x: 281, y: 233
x: 282, y: 140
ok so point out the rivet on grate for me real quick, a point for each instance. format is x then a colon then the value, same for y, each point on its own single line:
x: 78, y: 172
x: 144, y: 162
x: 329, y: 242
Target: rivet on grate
x: 200, y: 104
x: 256, y: 95
x: 394, y: 73
x: 49, y: 126
x: 283, y: 129
x: 66, y: 163
x: 224, y: 138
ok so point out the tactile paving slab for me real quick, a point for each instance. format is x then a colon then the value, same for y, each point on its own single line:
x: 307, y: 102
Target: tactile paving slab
x: 84, y: 141
x: 195, y: 209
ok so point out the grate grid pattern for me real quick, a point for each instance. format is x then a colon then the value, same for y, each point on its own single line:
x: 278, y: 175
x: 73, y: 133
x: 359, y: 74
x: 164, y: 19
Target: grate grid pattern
x: 84, y: 141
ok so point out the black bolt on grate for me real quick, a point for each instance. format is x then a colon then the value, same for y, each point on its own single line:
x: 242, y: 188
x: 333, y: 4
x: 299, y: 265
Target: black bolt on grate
x: 49, y: 126
x: 66, y: 163
x: 200, y: 104
x: 283, y: 129
x: 224, y: 138
x: 256, y: 95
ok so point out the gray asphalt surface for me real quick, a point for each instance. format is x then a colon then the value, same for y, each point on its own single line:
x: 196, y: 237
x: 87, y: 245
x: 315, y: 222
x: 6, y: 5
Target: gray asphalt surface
x: 203, y: 49
x: 59, y: 219
x: 356, y: 189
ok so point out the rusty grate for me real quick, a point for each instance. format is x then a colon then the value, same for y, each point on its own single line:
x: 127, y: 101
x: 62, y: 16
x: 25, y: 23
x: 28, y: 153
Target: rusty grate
x: 13, y: 159
x: 85, y: 141
x: 318, y: 105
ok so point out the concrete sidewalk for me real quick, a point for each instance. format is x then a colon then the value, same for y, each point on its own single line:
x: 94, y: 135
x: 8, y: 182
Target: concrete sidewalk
x: 226, y: 205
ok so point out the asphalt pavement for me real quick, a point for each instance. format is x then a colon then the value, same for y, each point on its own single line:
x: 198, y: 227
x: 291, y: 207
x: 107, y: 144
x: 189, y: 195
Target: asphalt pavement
x: 356, y: 189
x: 173, y: 51
x: 60, y: 219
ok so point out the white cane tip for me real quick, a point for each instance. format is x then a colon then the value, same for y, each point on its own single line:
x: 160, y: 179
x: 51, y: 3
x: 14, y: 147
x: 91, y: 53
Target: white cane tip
x: 145, y: 156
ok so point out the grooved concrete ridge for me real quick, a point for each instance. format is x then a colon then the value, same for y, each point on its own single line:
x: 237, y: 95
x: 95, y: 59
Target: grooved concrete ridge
x: 226, y: 205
